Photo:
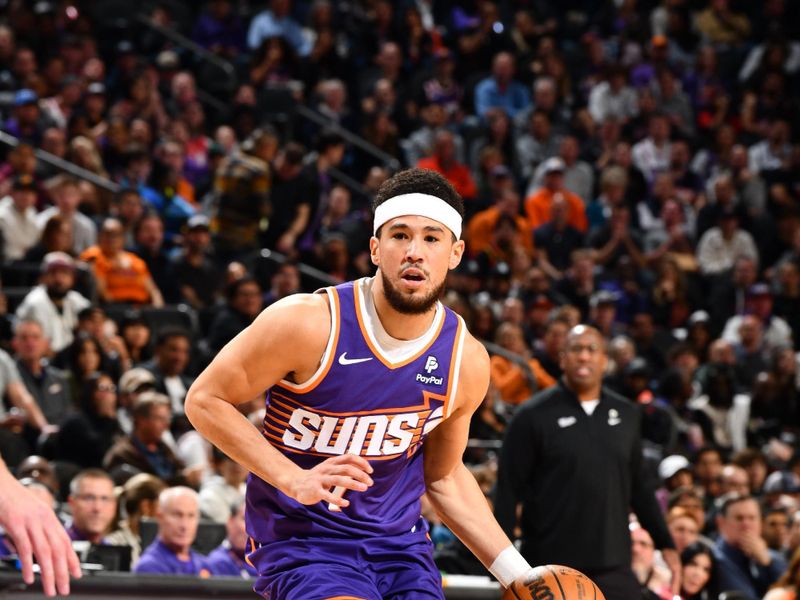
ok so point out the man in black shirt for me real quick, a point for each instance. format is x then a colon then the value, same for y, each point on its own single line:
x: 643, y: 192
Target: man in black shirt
x: 573, y: 458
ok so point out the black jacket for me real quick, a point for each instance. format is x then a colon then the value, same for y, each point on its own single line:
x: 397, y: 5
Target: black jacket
x: 577, y: 478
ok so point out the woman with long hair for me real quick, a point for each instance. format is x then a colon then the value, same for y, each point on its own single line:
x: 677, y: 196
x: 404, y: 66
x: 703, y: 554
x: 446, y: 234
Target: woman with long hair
x: 86, y: 436
x: 697, y: 576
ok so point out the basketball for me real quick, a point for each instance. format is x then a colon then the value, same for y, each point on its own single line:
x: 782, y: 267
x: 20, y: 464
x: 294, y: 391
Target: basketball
x: 554, y: 582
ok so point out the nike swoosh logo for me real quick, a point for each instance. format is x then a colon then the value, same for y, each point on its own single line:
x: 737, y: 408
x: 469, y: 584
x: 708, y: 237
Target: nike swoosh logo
x: 343, y: 360
x: 566, y: 422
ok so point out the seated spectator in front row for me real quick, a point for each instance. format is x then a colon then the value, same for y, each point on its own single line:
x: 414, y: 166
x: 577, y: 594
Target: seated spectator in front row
x: 221, y: 491
x: 746, y: 564
x: 144, y: 448
x: 171, y: 552
x: 229, y: 557
x: 140, y: 497
x: 94, y: 506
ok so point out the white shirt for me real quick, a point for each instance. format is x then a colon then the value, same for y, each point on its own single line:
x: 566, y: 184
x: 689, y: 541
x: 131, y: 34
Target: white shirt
x: 57, y: 325
x: 716, y: 254
x: 19, y: 230
x: 649, y: 158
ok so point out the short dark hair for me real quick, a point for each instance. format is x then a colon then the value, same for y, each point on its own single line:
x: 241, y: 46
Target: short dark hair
x: 725, y: 501
x: 234, y: 286
x: 422, y: 181
x: 168, y: 333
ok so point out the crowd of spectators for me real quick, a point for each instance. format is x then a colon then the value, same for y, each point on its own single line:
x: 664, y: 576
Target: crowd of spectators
x: 632, y: 165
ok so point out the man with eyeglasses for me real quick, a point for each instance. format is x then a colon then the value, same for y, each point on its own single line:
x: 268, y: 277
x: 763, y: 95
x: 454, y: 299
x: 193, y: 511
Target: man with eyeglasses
x: 572, y: 458
x: 93, y: 505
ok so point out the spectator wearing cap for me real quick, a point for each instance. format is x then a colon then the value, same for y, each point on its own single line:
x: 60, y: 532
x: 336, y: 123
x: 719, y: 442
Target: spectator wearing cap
x: 538, y: 205
x: 578, y: 174
x: 18, y: 219
x: 674, y: 471
x: 480, y: 228
x: 536, y: 144
x: 515, y: 383
x: 48, y: 386
x: 85, y: 436
x: 54, y: 303
x: 443, y: 160
x: 719, y: 247
x: 121, y: 276
x: 603, y: 313
x: 26, y: 123
x: 67, y: 197
x: 744, y: 561
x: 94, y: 108
x: 132, y: 383
x: 758, y: 304
x: 195, y: 275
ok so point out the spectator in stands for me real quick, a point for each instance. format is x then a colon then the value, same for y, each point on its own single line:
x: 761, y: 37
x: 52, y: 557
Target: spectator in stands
x: 56, y: 237
x: 613, y: 97
x: 721, y: 26
x: 54, y: 303
x: 653, y: 577
x: 86, y: 436
x: 683, y: 527
x: 775, y: 529
x: 220, y: 30
x: 276, y: 21
x: 93, y: 504
x: 140, y: 500
x: 720, y: 410
x: 652, y: 154
x: 510, y: 379
x: 48, y: 386
x: 538, y: 206
x: 285, y: 282
x: 556, y: 240
x: 721, y: 245
x: 128, y: 208
x: 229, y: 557
x: 136, y: 335
x: 443, y: 161
x: 699, y: 574
x: 18, y: 219
x: 290, y: 200
x: 194, y: 274
x: 745, y: 562
x: 244, y: 302
x: 734, y: 478
x: 219, y: 493
x: 420, y: 143
x: 132, y: 383
x: 578, y: 175
x: 171, y: 552
x: 536, y: 144
x: 121, y: 276
x: 242, y: 188
x: 149, y: 245
x: 144, y: 448
x: 169, y: 365
x: 758, y: 304
x: 26, y: 123
x: 67, y: 196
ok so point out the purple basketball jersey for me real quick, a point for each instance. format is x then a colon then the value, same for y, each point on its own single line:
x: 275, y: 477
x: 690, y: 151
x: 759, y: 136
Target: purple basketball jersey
x: 358, y: 402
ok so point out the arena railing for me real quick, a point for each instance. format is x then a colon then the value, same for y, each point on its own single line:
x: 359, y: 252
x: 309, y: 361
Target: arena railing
x: 63, y: 165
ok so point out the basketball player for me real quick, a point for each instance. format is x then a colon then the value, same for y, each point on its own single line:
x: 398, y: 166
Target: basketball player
x: 357, y: 378
x: 35, y: 530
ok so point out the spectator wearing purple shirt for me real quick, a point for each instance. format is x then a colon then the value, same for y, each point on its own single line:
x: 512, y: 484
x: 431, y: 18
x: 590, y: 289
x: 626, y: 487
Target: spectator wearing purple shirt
x: 171, y: 552
x: 93, y: 505
x: 229, y: 557
x: 220, y: 30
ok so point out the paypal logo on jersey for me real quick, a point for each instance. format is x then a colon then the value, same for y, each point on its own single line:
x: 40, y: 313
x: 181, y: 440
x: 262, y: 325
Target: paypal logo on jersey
x: 431, y: 364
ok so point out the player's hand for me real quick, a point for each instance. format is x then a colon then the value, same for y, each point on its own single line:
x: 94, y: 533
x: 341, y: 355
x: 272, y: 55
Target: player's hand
x: 35, y: 531
x: 346, y: 471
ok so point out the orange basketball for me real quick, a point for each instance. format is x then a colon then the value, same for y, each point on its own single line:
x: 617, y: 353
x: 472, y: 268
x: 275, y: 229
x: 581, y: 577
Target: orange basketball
x: 554, y: 582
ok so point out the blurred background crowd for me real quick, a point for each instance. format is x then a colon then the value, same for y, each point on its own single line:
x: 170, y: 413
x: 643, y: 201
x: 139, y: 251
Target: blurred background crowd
x: 168, y: 169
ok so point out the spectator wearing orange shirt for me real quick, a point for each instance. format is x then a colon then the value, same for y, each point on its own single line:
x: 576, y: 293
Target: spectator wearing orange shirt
x: 508, y: 377
x: 444, y: 162
x: 481, y: 227
x: 121, y: 276
x: 538, y: 206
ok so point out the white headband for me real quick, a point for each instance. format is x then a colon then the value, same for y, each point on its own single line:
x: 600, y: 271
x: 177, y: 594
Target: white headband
x: 423, y: 205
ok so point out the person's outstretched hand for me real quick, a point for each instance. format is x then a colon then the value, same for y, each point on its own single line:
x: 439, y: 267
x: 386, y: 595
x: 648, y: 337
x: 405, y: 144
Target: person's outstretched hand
x: 35, y: 530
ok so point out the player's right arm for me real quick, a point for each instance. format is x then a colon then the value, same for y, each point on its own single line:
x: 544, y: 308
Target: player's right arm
x: 287, y: 339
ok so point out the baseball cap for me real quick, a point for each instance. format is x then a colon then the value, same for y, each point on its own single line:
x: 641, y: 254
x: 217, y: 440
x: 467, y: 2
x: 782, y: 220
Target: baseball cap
x: 759, y: 289
x: 197, y: 222
x: 135, y: 380
x: 25, y: 96
x: 57, y: 260
x: 673, y: 464
x: 554, y: 165
x: 698, y: 317
x: 659, y: 40
x: 603, y: 297
x: 500, y: 171
x: 96, y: 88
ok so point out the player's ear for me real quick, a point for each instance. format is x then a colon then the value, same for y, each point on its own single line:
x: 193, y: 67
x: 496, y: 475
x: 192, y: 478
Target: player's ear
x: 456, y: 254
x: 374, y: 252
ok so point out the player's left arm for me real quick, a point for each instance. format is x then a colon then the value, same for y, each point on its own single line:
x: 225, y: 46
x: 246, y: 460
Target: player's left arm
x: 453, y: 491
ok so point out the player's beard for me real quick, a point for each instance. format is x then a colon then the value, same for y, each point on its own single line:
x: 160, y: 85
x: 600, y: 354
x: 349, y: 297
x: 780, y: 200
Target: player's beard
x: 409, y: 305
